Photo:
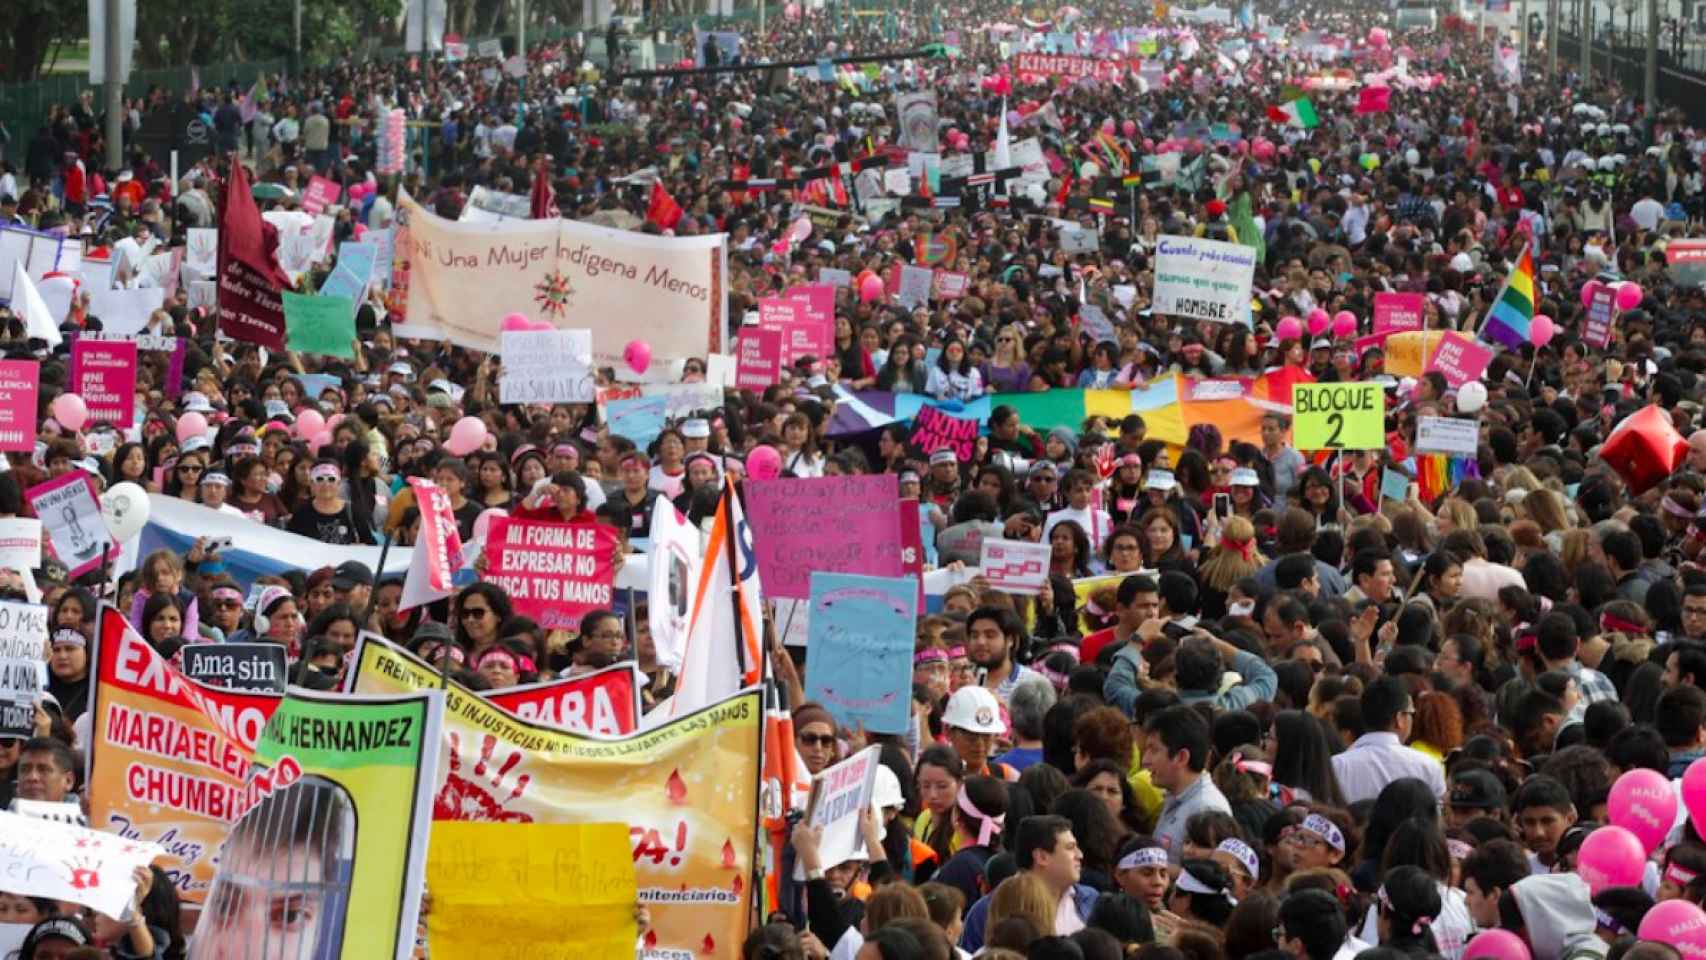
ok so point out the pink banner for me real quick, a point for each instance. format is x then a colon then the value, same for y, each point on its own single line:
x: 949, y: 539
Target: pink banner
x: 554, y: 572
x: 1602, y: 313
x: 103, y: 373
x: 1397, y: 312
x: 20, y: 384
x: 790, y: 517
x: 1061, y: 65
x: 1460, y: 359
x: 758, y: 353
x: 320, y: 194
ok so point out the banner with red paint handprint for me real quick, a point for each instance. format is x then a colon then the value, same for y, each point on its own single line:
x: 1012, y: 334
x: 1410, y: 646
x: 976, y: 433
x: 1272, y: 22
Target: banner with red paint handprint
x: 688, y: 791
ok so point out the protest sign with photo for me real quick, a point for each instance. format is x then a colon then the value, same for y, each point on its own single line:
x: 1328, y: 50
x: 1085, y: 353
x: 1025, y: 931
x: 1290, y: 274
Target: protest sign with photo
x: 759, y: 352
x: 688, y: 791
x: 837, y: 796
x: 237, y: 666
x: 1015, y: 566
x: 555, y: 573
x: 342, y: 791
x: 788, y: 517
x: 1203, y: 279
x: 605, y: 702
x: 667, y: 291
x: 860, y: 639
x: 546, y: 366
x: 70, y: 515
x: 23, y: 666
x: 507, y: 889
x: 169, y: 758
x: 20, y: 384
x: 60, y: 861
x: 933, y: 430
x: 103, y: 373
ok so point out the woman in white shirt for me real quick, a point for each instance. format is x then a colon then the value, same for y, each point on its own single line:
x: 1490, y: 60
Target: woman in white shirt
x: 800, y: 456
x: 954, y: 377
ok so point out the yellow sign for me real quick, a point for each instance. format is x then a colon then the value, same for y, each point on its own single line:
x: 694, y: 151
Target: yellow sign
x: 1338, y: 416
x: 688, y: 792
x: 1408, y: 353
x: 545, y: 890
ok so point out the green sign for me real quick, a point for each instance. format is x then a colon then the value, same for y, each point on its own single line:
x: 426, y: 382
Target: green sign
x: 1338, y: 416
x: 323, y: 325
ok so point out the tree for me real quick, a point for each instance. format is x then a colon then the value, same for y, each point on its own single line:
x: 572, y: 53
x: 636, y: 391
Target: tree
x: 29, y: 31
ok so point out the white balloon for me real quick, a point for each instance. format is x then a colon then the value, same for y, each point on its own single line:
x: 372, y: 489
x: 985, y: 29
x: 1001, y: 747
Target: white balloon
x: 125, y: 508
x: 1471, y: 397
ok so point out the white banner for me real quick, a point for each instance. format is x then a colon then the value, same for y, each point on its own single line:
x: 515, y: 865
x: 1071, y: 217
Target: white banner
x: 1447, y: 435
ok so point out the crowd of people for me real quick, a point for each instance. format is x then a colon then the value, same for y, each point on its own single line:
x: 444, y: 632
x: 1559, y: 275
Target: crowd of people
x: 1262, y: 708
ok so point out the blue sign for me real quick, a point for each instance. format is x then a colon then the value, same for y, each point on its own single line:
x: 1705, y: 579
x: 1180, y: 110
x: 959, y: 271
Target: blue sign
x: 860, y: 639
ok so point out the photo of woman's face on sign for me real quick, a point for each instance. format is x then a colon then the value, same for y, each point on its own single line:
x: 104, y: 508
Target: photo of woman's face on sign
x: 282, y: 890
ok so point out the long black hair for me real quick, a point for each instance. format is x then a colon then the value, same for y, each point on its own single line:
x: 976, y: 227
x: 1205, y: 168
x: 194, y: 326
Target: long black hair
x: 1303, y: 756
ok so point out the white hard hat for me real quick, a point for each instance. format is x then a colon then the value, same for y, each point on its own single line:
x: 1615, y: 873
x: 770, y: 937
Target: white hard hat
x: 974, y: 709
x: 885, y: 792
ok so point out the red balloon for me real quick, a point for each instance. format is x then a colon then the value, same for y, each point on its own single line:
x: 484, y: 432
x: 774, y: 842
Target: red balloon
x: 1645, y: 448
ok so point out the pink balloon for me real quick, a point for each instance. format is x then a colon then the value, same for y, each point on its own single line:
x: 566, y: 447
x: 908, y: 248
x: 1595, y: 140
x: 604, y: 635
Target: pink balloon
x: 319, y: 440
x: 764, y: 463
x: 1643, y: 803
x: 1676, y: 922
x: 1496, y: 945
x: 1694, y: 791
x: 1611, y: 857
x: 309, y: 422
x: 1541, y: 330
x: 1289, y: 328
x: 1108, y: 125
x: 871, y: 288
x: 1129, y: 128
x: 516, y: 322
x: 1588, y: 290
x: 800, y: 229
x: 1318, y: 321
x: 638, y: 354
x: 1344, y: 324
x: 483, y: 522
x: 191, y: 424
x: 71, y: 412
x: 1629, y: 296
x: 466, y: 436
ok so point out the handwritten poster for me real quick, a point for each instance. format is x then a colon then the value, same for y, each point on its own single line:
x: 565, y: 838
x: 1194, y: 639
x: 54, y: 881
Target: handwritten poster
x: 860, y: 638
x: 933, y: 430
x: 789, y: 517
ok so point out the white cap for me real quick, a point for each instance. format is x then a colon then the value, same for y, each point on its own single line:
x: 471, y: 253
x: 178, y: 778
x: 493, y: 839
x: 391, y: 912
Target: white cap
x: 973, y: 708
x: 194, y: 443
x: 885, y: 792
x: 696, y: 428
x: 197, y: 402
x: 1245, y: 477
x: 1463, y: 263
x: 1158, y: 480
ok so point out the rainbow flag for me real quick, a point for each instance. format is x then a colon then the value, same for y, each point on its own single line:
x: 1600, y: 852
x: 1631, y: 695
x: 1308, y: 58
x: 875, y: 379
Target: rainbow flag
x: 1507, y: 322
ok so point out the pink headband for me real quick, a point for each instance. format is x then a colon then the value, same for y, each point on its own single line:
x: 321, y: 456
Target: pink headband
x: 931, y: 655
x: 1676, y: 509
x: 988, y: 826
x: 1679, y: 876
x: 518, y: 664
x: 955, y: 653
x: 1252, y: 766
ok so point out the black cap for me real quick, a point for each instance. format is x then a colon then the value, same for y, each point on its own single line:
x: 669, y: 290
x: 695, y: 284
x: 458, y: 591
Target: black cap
x: 431, y: 630
x: 1477, y: 790
x: 352, y: 573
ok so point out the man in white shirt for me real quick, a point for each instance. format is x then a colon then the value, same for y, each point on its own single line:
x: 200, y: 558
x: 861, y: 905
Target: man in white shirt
x: 1647, y: 212
x: 1379, y: 757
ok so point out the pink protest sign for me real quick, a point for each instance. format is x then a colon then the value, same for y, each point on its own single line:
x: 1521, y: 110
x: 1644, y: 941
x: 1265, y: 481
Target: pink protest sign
x: 828, y: 524
x: 949, y: 285
x: 103, y: 373
x: 800, y: 336
x: 758, y: 355
x: 1460, y: 359
x: 1397, y: 312
x: 934, y: 430
x: 320, y: 194
x: 20, y: 382
x: 555, y: 573
x: 1602, y: 311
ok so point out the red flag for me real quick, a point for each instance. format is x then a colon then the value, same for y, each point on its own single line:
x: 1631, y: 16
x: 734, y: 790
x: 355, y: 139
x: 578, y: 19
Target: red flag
x: 1065, y: 190
x: 1374, y: 100
x: 663, y: 210
x: 250, y: 279
x: 1278, y: 116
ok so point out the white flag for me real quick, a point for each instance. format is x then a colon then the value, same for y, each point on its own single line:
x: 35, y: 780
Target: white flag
x: 28, y: 304
x: 1003, y: 143
x: 722, y: 655
x: 675, y: 556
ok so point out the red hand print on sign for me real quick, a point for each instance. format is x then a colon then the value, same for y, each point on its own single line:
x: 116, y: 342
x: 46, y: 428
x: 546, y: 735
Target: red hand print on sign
x: 476, y: 797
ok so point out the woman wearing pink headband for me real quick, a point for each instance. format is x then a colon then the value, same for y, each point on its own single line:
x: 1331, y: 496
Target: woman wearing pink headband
x: 979, y: 814
x: 503, y: 666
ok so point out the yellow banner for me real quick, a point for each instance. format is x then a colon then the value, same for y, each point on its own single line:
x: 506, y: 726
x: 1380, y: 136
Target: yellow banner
x: 688, y: 792
x: 545, y: 890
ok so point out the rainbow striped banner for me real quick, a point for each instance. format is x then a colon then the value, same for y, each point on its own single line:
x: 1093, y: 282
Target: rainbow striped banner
x: 1508, y: 321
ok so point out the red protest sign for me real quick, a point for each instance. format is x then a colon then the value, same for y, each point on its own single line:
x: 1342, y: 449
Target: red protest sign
x: 554, y: 572
x: 438, y: 548
x: 606, y: 702
x: 949, y: 285
x: 932, y: 430
x: 758, y: 353
x: 1397, y: 312
x: 103, y: 373
x: 1460, y: 359
x: 912, y: 544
